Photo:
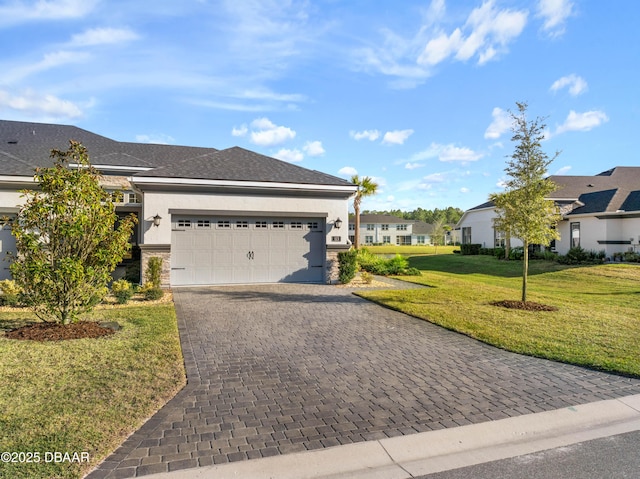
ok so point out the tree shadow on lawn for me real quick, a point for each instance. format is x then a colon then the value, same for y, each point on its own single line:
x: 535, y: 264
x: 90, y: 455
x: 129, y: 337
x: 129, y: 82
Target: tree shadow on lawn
x: 487, y: 265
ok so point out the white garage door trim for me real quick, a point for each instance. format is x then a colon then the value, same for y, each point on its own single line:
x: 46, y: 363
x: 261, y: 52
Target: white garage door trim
x: 246, y: 249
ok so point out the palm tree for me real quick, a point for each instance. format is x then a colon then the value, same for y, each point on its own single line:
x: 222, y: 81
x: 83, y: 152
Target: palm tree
x: 366, y: 187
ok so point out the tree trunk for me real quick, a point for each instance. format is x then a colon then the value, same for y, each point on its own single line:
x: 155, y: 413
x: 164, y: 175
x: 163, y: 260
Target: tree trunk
x: 507, y: 246
x: 356, y: 236
x: 525, y: 270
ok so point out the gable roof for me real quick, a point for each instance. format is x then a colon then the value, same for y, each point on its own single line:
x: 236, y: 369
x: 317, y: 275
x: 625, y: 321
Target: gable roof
x: 381, y: 219
x: 25, y: 146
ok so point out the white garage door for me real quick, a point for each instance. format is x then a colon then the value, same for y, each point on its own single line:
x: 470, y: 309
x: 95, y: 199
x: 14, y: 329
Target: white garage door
x: 7, y: 244
x: 224, y: 250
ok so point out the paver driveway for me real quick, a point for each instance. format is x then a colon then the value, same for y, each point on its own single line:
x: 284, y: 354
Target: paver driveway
x: 274, y: 369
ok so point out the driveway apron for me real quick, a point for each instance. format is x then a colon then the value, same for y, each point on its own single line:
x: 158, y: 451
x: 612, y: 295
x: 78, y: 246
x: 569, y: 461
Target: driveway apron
x: 276, y: 369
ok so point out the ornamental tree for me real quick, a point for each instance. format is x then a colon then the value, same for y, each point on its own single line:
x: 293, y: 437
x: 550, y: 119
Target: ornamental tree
x: 67, y: 240
x: 523, y: 210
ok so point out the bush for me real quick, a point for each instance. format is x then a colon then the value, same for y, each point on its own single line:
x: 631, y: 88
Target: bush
x: 152, y: 293
x: 499, y: 253
x: 153, y: 272
x: 122, y: 290
x: 579, y: 255
x: 366, y: 277
x: 347, y: 265
x: 397, y: 265
x: 631, y: 257
x: 10, y: 293
x: 374, y: 264
x: 516, y: 253
x: 470, y: 249
x: 413, y: 272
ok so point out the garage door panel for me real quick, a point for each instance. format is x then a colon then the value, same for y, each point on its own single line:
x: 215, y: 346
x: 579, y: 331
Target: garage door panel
x: 247, y: 250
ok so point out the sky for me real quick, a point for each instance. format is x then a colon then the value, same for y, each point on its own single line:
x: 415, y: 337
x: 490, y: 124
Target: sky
x: 415, y: 94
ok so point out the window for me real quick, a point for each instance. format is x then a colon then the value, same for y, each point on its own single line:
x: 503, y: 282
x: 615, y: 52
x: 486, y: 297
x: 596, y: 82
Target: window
x: 499, y: 239
x: 420, y: 239
x: 131, y: 198
x: 352, y: 227
x: 385, y: 227
x: 296, y: 225
x: 401, y: 227
x: 224, y: 224
x: 203, y: 224
x: 184, y: 223
x: 575, y: 235
x: 403, y: 240
x: 278, y: 224
x: 242, y: 224
x: 336, y: 239
x: 386, y: 239
x: 368, y: 239
x: 466, y: 235
x: 313, y: 225
x: 261, y: 224
x: 369, y: 227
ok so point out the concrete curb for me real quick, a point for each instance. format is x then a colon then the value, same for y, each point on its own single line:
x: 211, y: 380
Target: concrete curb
x: 435, y: 451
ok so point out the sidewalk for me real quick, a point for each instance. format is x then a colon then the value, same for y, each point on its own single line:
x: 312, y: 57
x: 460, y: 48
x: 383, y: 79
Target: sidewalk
x: 426, y: 453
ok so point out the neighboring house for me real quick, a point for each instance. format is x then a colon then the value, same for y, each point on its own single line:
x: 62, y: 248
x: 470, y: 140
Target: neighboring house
x: 387, y: 229
x: 600, y: 212
x: 214, y: 216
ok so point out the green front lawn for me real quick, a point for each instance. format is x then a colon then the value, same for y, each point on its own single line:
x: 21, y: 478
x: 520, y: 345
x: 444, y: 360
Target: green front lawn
x: 597, y: 324
x: 85, y: 395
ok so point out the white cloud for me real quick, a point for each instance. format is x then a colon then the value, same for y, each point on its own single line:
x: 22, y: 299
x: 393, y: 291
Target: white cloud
x: 160, y: 139
x: 449, y: 152
x: 49, y: 61
x: 396, y: 137
x: 314, y: 148
x: 582, y: 121
x: 103, y: 36
x: 371, y: 135
x: 290, y: 156
x: 501, y: 123
x: 413, y: 166
x: 16, y: 12
x: 464, y: 190
x: 563, y: 171
x: 266, y: 133
x: 36, y: 104
x: 554, y: 14
x: 347, y: 171
x: 241, y: 131
x: 486, y: 34
x: 577, y: 85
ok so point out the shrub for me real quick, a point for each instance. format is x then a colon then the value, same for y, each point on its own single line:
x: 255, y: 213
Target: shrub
x: 372, y: 263
x: 579, y: 255
x: 347, y: 265
x: 10, y: 293
x: 631, y: 257
x: 152, y: 293
x: 516, y: 253
x: 366, y: 277
x: 413, y: 272
x: 397, y: 265
x: 470, y: 249
x: 499, y: 253
x: 153, y: 272
x: 122, y: 290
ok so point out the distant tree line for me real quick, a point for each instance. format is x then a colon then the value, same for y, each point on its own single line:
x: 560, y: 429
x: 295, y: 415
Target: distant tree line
x: 449, y: 215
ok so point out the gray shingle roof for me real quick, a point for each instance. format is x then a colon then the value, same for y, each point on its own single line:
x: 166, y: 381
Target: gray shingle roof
x: 25, y: 146
x: 607, y: 192
x: 238, y: 164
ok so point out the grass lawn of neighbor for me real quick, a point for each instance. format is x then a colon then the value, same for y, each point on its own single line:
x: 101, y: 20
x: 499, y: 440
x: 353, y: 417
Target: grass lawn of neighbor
x: 84, y: 396
x: 597, y: 323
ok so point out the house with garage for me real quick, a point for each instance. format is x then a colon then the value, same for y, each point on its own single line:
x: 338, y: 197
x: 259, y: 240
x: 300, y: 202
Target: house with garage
x: 214, y: 216
x: 388, y: 229
x: 599, y: 213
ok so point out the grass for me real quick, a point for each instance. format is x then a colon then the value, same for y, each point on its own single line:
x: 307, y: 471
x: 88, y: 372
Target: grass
x: 597, y: 324
x: 406, y: 250
x: 85, y: 395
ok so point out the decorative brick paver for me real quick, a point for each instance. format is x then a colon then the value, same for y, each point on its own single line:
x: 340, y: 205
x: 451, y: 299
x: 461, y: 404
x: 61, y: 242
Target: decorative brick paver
x: 277, y: 369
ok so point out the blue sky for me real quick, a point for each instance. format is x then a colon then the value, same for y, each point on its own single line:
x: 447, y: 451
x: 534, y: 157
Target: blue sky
x: 415, y: 94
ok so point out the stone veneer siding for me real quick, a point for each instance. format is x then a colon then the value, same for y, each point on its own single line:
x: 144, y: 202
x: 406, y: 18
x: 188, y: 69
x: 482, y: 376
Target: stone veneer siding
x: 161, y: 251
x: 332, y: 263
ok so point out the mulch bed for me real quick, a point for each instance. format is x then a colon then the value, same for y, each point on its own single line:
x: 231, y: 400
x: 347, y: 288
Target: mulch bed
x: 60, y: 332
x: 524, y: 305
